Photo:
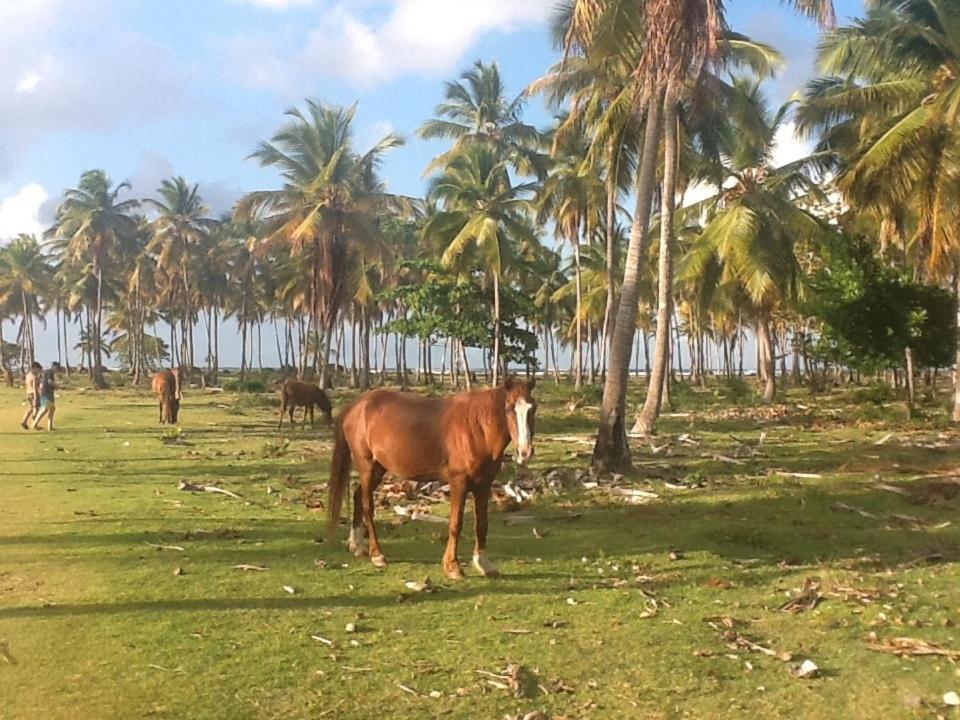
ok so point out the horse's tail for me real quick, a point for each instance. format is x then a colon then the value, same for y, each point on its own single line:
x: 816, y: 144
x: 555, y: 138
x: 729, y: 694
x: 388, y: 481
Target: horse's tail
x: 339, y: 478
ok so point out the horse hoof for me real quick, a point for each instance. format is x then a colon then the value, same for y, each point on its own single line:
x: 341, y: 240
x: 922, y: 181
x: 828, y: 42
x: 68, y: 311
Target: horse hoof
x: 485, y: 567
x: 378, y: 561
x: 454, y: 573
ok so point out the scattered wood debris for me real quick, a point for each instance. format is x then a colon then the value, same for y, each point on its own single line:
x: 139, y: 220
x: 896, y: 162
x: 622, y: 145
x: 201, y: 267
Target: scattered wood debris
x: 190, y: 487
x: 6, y: 654
x: 850, y: 508
x: 419, y: 587
x: 734, y: 640
x: 912, y: 647
x: 521, y: 682
x: 808, y: 598
x: 177, y: 548
x: 256, y: 568
x: 633, y: 495
x: 807, y: 670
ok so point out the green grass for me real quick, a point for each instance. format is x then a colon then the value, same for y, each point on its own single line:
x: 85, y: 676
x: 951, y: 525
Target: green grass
x: 101, y: 624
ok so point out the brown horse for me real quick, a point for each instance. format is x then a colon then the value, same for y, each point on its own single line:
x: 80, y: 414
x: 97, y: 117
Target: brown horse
x: 166, y: 386
x: 296, y: 393
x: 459, y: 439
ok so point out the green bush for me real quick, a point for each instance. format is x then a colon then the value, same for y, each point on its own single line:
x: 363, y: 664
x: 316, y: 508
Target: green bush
x: 245, y: 386
x: 877, y: 393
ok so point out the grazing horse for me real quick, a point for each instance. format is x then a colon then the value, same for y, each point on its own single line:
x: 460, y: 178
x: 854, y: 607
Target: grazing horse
x: 166, y: 386
x: 459, y: 439
x: 296, y: 393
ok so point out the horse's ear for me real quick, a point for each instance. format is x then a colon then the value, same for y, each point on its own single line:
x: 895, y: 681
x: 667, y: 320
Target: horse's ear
x: 509, y: 382
x: 532, y: 384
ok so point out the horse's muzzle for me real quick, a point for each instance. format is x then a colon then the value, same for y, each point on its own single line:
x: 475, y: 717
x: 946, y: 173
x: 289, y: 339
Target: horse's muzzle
x: 524, y: 454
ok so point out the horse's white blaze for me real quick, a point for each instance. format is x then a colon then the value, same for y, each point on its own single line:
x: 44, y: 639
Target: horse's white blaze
x: 522, y: 409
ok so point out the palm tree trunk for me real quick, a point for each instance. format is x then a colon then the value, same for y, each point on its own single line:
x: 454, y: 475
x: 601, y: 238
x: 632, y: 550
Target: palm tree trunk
x: 216, y: 345
x: 611, y: 450
x: 647, y: 418
x: 578, y: 316
x: 7, y: 372
x: 66, y: 345
x: 911, y: 390
x: 767, y: 363
x: 956, y: 369
x: 468, y: 381
x: 243, y: 349
x: 98, y: 380
x: 608, y: 318
x: 496, y: 330
x: 30, y: 356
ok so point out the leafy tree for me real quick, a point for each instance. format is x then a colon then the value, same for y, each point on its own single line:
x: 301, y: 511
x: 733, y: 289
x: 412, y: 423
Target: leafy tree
x: 483, y: 221
x: 876, y: 318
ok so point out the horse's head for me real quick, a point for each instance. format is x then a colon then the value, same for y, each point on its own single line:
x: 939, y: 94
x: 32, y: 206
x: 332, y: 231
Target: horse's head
x: 521, y: 411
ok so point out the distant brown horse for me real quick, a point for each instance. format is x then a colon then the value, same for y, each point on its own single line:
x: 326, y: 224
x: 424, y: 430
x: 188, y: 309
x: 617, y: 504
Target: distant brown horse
x: 166, y: 386
x: 460, y: 439
x: 296, y: 393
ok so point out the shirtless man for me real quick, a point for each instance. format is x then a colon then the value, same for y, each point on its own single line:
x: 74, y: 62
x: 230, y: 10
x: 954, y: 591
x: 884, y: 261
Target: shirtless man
x: 33, y: 396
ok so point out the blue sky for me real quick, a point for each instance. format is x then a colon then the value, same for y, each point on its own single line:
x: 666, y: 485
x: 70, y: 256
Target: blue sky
x: 149, y: 88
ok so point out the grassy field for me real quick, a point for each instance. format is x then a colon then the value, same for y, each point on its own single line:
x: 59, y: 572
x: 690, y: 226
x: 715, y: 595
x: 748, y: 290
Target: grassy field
x: 606, y: 609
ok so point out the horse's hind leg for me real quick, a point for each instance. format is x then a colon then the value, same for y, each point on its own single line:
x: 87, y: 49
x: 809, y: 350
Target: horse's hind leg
x: 370, y: 478
x: 481, y: 499
x: 458, y: 495
x: 357, y: 543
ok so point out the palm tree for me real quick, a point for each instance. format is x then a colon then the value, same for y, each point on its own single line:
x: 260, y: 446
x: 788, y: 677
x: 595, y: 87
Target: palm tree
x: 327, y: 205
x: 179, y: 229
x: 25, y: 275
x: 90, y: 220
x: 477, y: 110
x: 668, y: 43
x: 482, y: 221
x: 889, y: 107
x: 747, y: 246
x: 572, y: 196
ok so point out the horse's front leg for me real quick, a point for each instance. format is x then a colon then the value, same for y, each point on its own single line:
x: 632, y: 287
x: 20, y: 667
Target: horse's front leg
x: 458, y: 495
x: 481, y: 500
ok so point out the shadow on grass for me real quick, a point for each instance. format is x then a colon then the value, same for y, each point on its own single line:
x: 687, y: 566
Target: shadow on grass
x: 796, y: 526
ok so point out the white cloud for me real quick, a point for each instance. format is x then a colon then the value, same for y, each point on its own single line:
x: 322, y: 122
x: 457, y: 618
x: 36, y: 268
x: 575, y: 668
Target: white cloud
x: 69, y: 66
x: 21, y: 212
x: 789, y: 147
x: 276, y: 4
x: 29, y: 81
x: 366, y: 43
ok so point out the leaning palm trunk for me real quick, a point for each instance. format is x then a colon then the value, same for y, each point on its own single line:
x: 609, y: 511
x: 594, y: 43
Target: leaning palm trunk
x: 611, y: 450
x: 647, y: 417
x: 956, y: 369
x: 767, y: 366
